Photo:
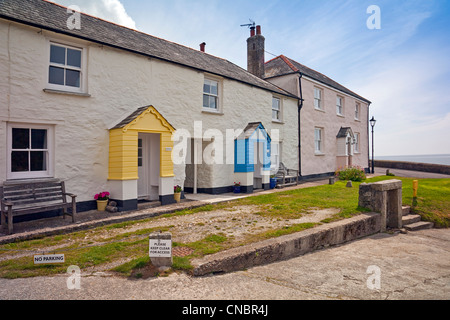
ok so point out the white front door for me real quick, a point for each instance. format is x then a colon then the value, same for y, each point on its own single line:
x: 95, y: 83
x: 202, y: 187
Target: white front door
x: 148, y: 166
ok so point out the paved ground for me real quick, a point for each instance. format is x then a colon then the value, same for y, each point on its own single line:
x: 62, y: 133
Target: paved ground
x: 412, y: 266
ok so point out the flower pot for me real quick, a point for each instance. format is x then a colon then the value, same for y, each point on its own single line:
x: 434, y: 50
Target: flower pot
x: 237, y: 189
x: 177, y: 197
x: 101, y: 205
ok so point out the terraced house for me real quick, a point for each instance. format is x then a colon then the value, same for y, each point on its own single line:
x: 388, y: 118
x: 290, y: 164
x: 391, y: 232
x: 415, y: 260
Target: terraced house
x: 104, y: 107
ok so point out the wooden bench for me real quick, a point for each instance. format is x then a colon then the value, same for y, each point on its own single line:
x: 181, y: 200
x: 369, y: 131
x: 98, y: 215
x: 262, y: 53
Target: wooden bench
x: 286, y: 177
x: 18, y: 199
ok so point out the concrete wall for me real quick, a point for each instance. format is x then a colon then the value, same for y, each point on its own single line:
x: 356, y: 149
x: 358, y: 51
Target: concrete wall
x: 288, y: 246
x: 117, y: 84
x: 415, y: 166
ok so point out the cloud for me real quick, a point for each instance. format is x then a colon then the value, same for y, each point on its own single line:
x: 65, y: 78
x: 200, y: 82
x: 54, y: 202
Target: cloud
x: 110, y: 10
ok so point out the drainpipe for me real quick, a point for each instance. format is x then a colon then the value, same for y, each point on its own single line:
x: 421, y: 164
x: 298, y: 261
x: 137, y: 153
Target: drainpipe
x: 300, y: 106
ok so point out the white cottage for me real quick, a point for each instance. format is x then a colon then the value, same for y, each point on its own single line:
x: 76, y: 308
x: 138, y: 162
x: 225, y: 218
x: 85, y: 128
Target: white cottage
x: 107, y: 108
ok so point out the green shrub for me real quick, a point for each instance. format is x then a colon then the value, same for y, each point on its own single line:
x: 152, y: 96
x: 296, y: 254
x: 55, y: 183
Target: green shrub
x: 351, y: 173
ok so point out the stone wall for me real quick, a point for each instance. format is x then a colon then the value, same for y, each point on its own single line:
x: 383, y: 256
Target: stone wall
x: 416, y: 166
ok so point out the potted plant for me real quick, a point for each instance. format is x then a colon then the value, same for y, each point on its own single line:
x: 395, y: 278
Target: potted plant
x: 177, y: 193
x: 237, y: 187
x: 102, y: 200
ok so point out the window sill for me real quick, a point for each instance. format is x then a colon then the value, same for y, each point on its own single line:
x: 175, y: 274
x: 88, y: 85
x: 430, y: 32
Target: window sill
x: 321, y: 110
x: 340, y: 115
x: 80, y: 94
x: 277, y: 121
x: 212, y: 112
x: 12, y: 181
x: 319, y: 153
x: 358, y: 120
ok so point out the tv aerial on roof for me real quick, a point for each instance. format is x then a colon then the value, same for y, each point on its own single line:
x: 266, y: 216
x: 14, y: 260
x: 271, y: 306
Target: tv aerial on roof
x: 249, y: 25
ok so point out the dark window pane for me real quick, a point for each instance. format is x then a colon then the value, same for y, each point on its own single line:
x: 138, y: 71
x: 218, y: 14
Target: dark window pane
x: 139, y: 143
x: 38, y: 161
x: 213, y: 102
x: 139, y: 162
x: 56, y: 75
x: 57, y: 54
x: 72, y: 78
x: 19, y: 161
x: 74, y: 58
x: 206, y: 88
x: 214, y: 89
x: 20, y: 138
x: 205, y: 101
x: 38, y: 139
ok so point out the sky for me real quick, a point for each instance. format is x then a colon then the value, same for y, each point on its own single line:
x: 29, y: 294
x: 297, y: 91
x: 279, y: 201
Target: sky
x: 403, y: 66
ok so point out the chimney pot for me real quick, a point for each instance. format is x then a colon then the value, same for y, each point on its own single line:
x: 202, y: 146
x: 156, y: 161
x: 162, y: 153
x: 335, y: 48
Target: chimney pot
x: 202, y: 46
x: 258, y: 30
x: 252, y: 31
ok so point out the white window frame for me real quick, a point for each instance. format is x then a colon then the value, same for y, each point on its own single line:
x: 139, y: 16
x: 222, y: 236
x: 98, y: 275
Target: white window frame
x: 340, y: 107
x: 319, y: 105
x: 279, y: 111
x: 49, y: 172
x: 319, y: 143
x: 357, y: 110
x: 82, y: 69
x: 218, y: 108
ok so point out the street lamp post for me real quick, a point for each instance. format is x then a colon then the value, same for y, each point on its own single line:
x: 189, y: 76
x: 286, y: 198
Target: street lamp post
x: 372, y: 124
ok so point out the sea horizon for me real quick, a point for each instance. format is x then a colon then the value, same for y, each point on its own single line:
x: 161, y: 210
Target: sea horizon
x: 443, y: 159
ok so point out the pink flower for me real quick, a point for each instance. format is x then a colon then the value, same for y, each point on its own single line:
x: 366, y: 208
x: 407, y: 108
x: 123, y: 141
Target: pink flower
x: 96, y: 197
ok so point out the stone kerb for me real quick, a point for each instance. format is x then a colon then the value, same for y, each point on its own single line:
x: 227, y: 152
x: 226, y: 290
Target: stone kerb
x: 384, y: 197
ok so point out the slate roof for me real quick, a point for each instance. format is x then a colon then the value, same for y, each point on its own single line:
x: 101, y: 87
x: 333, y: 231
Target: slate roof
x: 136, y: 114
x: 130, y: 118
x: 283, y: 65
x: 343, y: 132
x: 50, y: 16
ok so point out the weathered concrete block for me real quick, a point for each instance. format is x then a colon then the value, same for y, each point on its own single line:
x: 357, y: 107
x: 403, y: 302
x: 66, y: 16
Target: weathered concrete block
x: 387, y: 185
x: 384, y: 197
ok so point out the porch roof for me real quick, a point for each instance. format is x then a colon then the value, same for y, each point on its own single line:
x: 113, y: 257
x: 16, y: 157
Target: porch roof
x: 140, y: 112
x: 343, y: 132
x: 250, y: 130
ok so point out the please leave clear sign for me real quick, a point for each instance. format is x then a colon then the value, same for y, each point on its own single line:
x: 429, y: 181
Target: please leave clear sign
x: 49, y: 259
x: 160, y: 248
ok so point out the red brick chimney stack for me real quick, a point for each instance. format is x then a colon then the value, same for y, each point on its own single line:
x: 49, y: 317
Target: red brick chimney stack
x: 202, y: 46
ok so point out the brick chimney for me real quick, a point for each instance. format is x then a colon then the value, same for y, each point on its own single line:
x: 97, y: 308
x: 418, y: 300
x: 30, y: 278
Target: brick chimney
x: 255, y: 52
x: 202, y: 46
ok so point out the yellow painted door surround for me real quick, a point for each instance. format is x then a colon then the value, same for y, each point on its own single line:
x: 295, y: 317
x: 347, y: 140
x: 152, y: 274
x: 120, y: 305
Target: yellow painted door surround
x: 123, y: 144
